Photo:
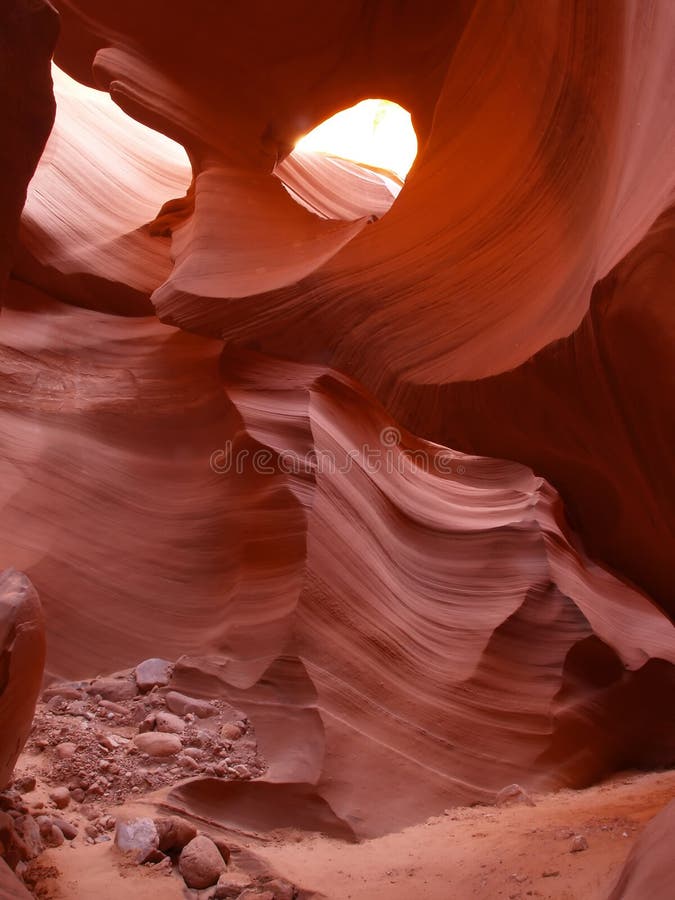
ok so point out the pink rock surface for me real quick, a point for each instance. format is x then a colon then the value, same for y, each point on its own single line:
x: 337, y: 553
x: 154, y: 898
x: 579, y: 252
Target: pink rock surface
x: 22, y: 654
x: 314, y: 449
x: 649, y: 869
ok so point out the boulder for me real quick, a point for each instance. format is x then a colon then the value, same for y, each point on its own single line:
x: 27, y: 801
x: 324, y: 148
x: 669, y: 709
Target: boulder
x: 174, y: 833
x: 60, y: 797
x: 114, y: 689
x: 153, y: 673
x: 169, y: 723
x: 139, y: 837
x: 201, y: 863
x: 157, y: 743
x: 69, y: 831
x: 182, y: 705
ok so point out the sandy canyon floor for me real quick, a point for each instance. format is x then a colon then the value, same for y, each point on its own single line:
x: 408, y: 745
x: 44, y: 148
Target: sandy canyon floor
x: 479, y: 852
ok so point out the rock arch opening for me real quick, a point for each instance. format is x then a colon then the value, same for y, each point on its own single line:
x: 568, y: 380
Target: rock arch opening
x: 354, y: 163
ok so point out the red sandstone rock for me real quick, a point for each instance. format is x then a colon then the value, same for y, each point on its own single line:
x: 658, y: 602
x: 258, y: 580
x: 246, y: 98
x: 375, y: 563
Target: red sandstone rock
x: 174, y: 833
x: 649, y: 869
x: 22, y: 652
x: 201, y: 863
x: 436, y: 618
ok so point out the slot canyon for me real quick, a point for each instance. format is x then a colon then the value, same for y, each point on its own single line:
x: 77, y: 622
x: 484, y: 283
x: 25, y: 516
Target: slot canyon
x: 336, y: 423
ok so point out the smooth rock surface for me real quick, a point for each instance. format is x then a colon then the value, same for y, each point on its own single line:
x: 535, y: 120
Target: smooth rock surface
x: 22, y: 655
x: 156, y: 743
x: 201, y: 863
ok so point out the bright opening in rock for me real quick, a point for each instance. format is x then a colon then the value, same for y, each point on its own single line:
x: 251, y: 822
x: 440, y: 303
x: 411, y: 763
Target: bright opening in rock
x: 354, y: 163
x: 376, y: 133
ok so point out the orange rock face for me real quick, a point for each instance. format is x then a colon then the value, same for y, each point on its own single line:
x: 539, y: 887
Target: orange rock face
x: 316, y: 450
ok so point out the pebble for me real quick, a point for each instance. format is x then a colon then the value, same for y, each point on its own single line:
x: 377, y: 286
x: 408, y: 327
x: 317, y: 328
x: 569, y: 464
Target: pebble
x: 66, y: 750
x: 579, y: 843
x: 513, y: 793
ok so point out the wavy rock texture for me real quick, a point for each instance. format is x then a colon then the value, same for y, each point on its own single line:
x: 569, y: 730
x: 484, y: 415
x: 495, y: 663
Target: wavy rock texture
x: 408, y: 626
x: 649, y: 868
x: 22, y: 656
x: 420, y: 611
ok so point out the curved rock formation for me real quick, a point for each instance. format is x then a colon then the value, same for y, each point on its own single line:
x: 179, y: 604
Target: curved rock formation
x: 22, y: 656
x: 266, y: 512
x: 262, y: 483
x: 29, y: 31
x: 649, y: 868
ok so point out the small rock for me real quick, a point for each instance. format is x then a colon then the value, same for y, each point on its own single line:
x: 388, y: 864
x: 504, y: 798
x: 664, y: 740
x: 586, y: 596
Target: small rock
x: 169, y: 723
x: 513, y: 793
x: 187, y: 762
x: 157, y: 743
x: 68, y: 830
x: 242, y: 770
x: 153, y: 673
x: 174, y: 833
x: 113, y: 707
x: 25, y: 784
x: 182, y: 705
x: 194, y: 752
x: 77, y: 794
x: 138, y: 836
x: 255, y: 894
x: 29, y: 831
x: 56, y: 837
x: 550, y: 874
x: 579, y: 843
x: 230, y: 732
x: 230, y: 885
x: 113, y: 688
x: 111, y: 741
x: 280, y: 888
x: 164, y: 866
x: 70, y: 690
x: 60, y: 797
x: 201, y: 863
x: 66, y: 750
